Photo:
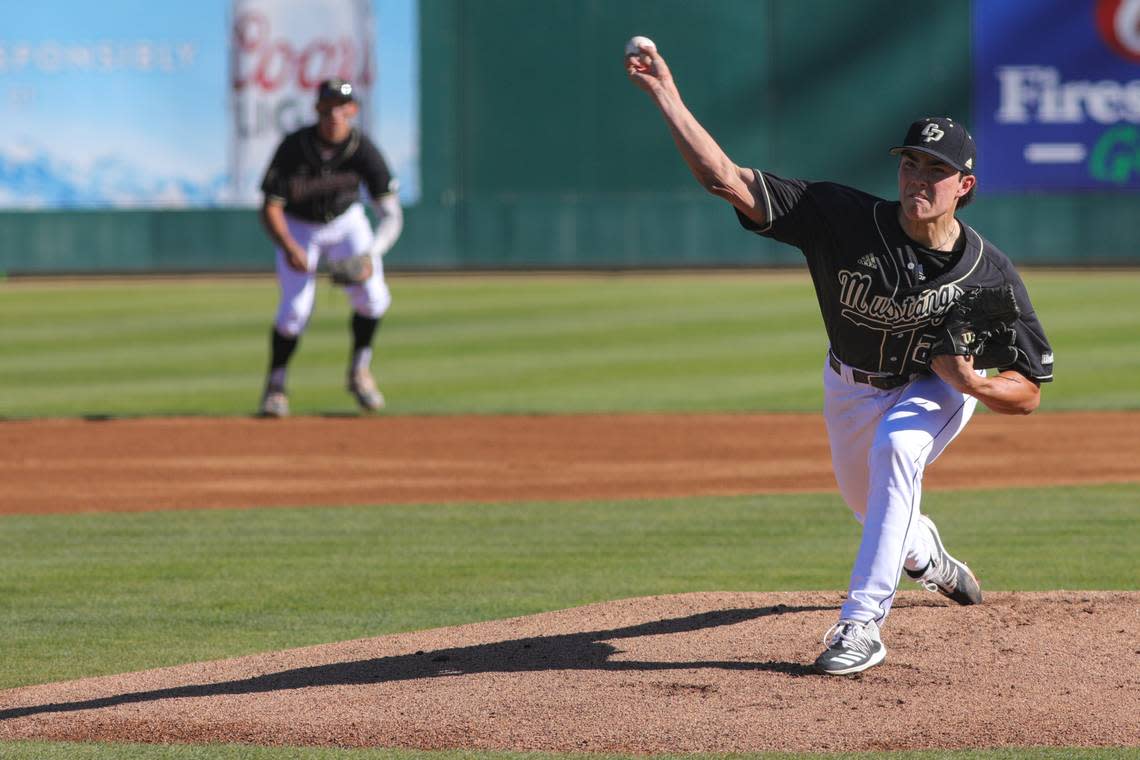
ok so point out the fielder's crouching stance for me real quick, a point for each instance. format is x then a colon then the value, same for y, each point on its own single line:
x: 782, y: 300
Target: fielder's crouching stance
x: 312, y: 209
x: 905, y: 369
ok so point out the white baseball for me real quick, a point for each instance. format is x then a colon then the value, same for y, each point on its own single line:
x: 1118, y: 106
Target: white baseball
x: 633, y: 47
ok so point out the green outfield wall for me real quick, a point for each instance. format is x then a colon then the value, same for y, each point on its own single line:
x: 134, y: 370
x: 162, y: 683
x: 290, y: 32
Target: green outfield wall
x: 538, y: 153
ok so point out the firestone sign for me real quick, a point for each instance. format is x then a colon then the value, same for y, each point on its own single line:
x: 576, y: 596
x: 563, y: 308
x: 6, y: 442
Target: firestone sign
x: 1057, y: 94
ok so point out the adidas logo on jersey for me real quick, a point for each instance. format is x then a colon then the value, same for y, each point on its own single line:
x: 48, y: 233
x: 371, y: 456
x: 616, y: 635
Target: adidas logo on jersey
x: 869, y: 261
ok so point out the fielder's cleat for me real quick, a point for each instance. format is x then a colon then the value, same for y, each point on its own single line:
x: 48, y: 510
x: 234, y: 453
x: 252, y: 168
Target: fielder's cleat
x: 363, y: 388
x: 945, y: 574
x: 274, y: 403
x: 852, y: 647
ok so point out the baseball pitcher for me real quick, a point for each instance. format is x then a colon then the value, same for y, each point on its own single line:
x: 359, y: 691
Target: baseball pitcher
x: 917, y: 307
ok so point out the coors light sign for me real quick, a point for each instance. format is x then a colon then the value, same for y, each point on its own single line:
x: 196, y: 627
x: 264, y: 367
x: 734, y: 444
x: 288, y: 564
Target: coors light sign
x: 280, y: 50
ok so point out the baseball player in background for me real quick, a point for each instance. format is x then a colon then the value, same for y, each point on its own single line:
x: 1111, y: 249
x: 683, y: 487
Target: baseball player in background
x: 885, y: 273
x: 312, y: 208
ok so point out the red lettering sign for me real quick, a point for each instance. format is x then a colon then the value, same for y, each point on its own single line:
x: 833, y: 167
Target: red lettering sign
x: 270, y: 64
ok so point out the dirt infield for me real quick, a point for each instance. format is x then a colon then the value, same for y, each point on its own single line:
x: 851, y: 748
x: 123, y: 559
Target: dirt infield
x: 686, y: 673
x: 175, y: 463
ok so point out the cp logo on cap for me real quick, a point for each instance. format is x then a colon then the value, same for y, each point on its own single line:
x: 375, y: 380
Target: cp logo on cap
x: 932, y: 133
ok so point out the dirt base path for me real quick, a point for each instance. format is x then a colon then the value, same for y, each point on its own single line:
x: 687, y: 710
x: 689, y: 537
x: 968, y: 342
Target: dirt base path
x: 174, y: 463
x: 686, y: 673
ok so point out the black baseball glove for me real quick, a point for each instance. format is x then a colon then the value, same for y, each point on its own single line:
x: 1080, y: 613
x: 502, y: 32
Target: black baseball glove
x: 352, y: 270
x: 980, y: 324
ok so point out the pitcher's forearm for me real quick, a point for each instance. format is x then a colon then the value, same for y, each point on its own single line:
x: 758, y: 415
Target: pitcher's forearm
x: 708, y: 162
x: 1007, y: 393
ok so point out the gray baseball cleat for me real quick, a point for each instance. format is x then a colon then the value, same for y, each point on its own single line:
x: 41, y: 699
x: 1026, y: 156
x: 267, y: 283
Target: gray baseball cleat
x: 363, y: 388
x: 946, y: 575
x: 274, y: 403
x: 852, y: 647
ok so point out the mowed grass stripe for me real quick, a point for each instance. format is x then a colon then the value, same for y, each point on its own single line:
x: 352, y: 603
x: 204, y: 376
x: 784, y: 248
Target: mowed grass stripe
x: 740, y: 341
x: 94, y: 594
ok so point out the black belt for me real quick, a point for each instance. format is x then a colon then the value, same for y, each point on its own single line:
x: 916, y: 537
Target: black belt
x: 882, y: 382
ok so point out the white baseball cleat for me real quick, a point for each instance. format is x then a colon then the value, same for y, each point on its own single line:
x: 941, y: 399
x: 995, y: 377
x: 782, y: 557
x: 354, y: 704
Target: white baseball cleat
x: 363, y: 388
x: 852, y: 647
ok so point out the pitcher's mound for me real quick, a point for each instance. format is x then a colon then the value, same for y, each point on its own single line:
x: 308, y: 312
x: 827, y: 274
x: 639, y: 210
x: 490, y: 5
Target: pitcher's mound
x: 723, y: 672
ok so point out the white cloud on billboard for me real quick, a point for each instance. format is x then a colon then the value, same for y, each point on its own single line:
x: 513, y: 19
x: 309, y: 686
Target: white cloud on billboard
x: 101, y: 106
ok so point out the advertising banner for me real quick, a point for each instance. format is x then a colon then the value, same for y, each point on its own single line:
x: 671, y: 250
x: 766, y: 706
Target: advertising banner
x: 133, y: 104
x: 280, y: 51
x: 1057, y: 94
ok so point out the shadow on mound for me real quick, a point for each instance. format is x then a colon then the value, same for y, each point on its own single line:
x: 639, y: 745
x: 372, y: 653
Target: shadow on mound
x: 578, y: 651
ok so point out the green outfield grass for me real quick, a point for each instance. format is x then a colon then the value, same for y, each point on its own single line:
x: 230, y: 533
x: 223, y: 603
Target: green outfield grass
x: 84, y: 595
x: 491, y: 344
x: 92, y: 594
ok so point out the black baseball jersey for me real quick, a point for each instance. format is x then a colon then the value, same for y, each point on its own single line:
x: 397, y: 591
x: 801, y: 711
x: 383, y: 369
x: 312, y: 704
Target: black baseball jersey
x: 879, y: 291
x: 318, y: 181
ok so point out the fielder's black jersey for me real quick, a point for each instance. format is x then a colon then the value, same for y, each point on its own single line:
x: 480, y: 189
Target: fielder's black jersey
x: 318, y: 181
x: 879, y: 291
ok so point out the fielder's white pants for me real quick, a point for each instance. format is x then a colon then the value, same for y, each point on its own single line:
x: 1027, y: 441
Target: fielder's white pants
x: 881, y: 442
x: 348, y: 234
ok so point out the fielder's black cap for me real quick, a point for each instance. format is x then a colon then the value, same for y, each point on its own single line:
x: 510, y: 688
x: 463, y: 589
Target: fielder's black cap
x: 942, y: 138
x: 336, y: 89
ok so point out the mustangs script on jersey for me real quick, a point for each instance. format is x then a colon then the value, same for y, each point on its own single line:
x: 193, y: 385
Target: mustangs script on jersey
x: 880, y: 312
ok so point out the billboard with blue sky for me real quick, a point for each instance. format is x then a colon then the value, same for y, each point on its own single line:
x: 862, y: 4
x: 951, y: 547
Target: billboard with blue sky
x: 1057, y: 94
x: 128, y: 103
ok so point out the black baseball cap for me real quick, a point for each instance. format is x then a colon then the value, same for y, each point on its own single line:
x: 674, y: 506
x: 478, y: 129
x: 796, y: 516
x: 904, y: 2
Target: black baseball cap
x: 336, y: 89
x: 943, y: 138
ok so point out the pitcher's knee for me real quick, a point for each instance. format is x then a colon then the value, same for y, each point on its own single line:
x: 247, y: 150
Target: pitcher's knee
x: 906, y: 447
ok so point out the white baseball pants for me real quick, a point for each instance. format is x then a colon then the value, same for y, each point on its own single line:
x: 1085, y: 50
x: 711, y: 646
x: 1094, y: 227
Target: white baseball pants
x: 881, y: 442
x: 348, y: 234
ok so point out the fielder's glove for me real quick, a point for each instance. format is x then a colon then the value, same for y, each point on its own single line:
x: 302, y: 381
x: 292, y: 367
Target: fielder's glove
x: 351, y: 271
x: 980, y: 324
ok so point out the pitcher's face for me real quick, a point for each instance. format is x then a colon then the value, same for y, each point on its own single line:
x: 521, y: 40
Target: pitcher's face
x: 930, y: 188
